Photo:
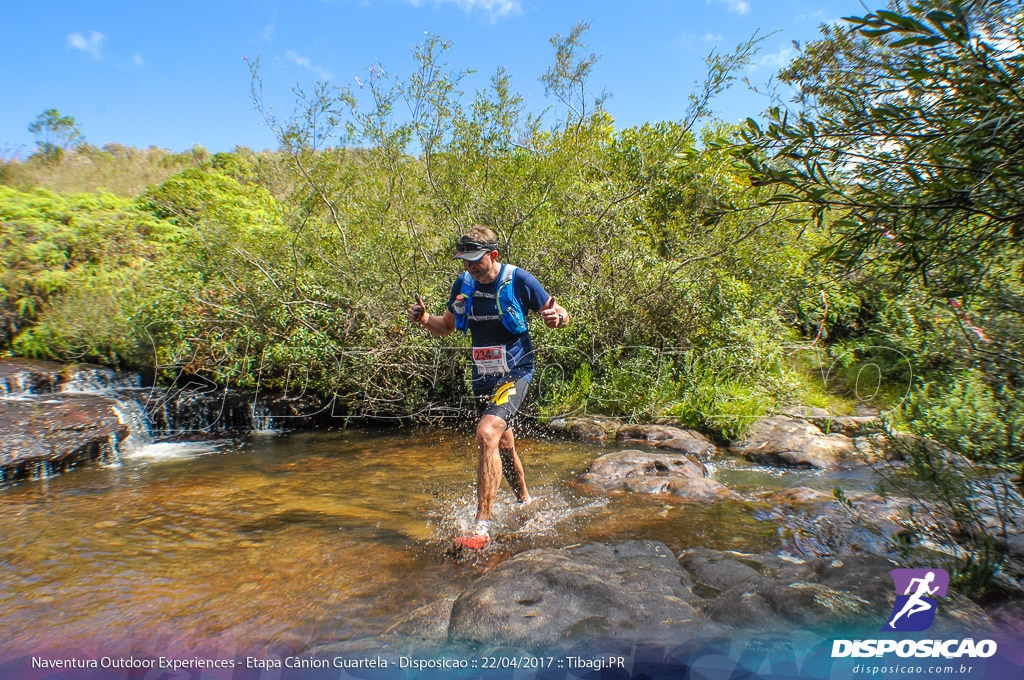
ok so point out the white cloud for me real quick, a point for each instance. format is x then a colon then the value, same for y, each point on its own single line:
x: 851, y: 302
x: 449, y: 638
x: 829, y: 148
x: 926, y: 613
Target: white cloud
x: 495, y: 8
x: 736, y: 6
x: 90, y: 45
x: 137, y: 60
x: 777, y: 59
x: 268, y: 32
x: 307, y: 63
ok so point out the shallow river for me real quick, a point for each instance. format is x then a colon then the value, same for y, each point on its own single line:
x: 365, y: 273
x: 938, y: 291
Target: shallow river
x: 277, y: 543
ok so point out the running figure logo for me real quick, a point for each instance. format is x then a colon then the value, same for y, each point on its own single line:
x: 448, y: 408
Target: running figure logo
x: 916, y: 590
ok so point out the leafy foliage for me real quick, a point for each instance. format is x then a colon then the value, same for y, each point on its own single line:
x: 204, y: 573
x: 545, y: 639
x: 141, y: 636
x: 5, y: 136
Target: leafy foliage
x: 290, y: 269
x: 907, y: 144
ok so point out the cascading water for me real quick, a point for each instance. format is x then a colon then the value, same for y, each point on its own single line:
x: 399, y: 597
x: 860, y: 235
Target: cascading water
x: 56, y: 417
x: 130, y: 413
x: 99, y: 379
x: 262, y: 421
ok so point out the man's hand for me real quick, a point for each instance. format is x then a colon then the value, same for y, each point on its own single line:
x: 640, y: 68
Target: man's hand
x: 553, y: 315
x: 418, y: 312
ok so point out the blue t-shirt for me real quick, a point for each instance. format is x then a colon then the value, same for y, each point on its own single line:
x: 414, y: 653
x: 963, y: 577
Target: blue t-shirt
x: 489, y: 332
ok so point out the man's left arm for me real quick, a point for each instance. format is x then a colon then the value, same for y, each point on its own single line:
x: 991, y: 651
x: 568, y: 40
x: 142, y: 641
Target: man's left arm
x: 554, y: 314
x: 532, y: 293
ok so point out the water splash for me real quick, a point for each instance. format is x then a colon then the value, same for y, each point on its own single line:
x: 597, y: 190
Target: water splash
x: 172, y: 451
x: 551, y: 510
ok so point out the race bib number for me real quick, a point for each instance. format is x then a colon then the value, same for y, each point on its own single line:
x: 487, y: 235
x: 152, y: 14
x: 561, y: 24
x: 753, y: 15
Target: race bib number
x: 490, y: 360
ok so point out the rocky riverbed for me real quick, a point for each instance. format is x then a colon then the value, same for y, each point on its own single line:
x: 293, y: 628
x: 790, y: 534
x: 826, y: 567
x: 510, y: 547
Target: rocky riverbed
x: 831, y: 572
x: 620, y: 595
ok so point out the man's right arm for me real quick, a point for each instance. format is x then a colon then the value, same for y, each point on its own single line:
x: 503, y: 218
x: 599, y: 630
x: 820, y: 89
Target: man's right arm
x: 435, y: 325
x: 439, y: 325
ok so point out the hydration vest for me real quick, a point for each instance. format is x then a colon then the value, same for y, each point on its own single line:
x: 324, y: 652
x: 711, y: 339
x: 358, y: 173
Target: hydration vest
x: 509, y: 310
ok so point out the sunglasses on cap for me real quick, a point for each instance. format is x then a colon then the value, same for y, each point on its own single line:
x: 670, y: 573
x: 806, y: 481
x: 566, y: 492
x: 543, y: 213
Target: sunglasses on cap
x: 468, y: 249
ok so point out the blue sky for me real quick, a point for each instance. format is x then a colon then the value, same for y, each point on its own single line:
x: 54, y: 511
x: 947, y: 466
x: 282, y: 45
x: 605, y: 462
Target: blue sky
x: 172, y: 74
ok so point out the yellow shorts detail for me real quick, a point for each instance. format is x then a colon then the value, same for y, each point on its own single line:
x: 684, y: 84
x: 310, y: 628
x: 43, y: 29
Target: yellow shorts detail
x: 503, y: 393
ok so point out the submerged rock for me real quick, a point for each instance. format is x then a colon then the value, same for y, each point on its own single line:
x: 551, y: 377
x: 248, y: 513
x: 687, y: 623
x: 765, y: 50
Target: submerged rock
x: 692, y: 490
x: 779, y: 440
x: 815, y: 525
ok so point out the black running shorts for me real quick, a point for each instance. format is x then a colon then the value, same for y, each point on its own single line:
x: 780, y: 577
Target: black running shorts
x: 503, y: 396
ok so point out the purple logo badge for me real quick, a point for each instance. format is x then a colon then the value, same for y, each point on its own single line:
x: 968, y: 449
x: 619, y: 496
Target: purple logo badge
x: 916, y: 590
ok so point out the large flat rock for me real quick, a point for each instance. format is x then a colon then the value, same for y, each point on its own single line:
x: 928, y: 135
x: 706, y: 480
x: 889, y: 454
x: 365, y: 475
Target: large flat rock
x: 627, y: 591
x: 772, y: 592
x: 635, y: 471
x: 638, y: 593
x: 61, y: 430
x: 781, y: 440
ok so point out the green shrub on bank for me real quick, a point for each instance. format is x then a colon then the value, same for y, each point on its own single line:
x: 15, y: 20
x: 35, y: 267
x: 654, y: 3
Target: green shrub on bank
x: 75, y: 268
x: 291, y: 271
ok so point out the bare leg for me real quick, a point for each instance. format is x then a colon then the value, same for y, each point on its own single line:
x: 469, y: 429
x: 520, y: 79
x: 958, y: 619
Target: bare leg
x: 512, y: 467
x: 488, y: 472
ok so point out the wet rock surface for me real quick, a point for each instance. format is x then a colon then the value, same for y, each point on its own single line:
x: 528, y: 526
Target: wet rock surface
x: 637, y: 471
x: 52, y: 418
x: 691, y: 442
x: 766, y: 591
x: 619, y: 594
x: 61, y: 430
x: 633, y: 590
x: 632, y: 463
x: 780, y: 440
x: 687, y: 489
x: 590, y: 428
x: 827, y: 421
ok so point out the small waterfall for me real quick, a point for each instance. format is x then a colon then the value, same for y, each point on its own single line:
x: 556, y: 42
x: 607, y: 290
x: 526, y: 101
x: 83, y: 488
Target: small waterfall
x: 33, y: 378
x: 262, y: 421
x: 131, y: 415
x: 42, y: 471
x: 110, y: 454
x: 151, y: 422
x: 98, y: 379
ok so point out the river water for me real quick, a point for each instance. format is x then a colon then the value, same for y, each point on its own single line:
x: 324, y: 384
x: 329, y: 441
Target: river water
x: 275, y: 543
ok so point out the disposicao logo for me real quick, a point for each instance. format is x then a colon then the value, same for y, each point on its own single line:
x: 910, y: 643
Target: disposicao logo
x: 915, y: 606
x: 914, y: 611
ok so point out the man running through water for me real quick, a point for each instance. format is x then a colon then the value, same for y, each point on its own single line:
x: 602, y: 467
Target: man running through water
x: 491, y: 300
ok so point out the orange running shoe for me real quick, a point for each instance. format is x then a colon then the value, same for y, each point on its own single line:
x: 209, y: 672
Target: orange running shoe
x: 473, y: 541
x: 476, y: 539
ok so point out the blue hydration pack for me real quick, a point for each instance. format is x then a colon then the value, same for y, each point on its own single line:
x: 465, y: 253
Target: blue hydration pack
x: 510, y: 311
